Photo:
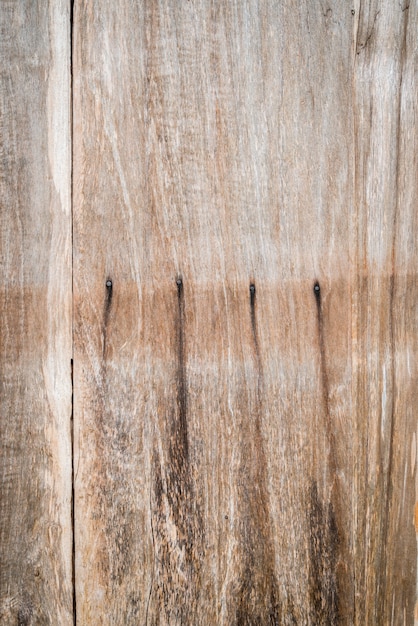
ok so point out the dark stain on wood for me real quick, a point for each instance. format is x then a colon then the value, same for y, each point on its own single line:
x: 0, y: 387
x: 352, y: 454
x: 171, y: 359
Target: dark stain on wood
x: 252, y: 299
x: 257, y: 596
x: 254, y: 330
x: 109, y: 293
x: 25, y: 616
x: 273, y: 615
x: 175, y: 514
x: 323, y: 559
x: 253, y: 609
x: 176, y: 533
x: 324, y: 378
x: 106, y: 314
x: 183, y: 438
x: 289, y: 611
x: 321, y: 339
x: 325, y: 538
x: 253, y: 293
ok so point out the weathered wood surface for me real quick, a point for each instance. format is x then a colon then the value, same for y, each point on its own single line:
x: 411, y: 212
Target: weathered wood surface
x: 35, y: 312
x: 245, y: 443
x: 245, y: 311
x: 384, y: 312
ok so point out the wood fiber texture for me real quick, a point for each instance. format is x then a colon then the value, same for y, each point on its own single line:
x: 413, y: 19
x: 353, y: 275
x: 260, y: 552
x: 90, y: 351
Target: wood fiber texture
x: 237, y: 287
x: 36, y: 585
x: 245, y: 177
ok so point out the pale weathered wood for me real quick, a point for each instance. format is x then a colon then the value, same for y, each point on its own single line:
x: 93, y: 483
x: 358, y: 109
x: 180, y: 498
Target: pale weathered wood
x: 245, y: 312
x: 385, y: 312
x: 35, y: 312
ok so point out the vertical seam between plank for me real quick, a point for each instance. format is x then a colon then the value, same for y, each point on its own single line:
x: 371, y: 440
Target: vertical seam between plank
x: 71, y: 40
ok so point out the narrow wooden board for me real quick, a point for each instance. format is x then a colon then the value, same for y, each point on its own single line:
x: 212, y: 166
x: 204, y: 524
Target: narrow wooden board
x: 385, y: 311
x: 35, y: 311
x: 245, y: 312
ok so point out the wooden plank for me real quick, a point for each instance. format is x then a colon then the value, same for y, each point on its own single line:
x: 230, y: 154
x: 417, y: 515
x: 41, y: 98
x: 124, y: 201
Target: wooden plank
x: 245, y: 305
x: 385, y: 305
x: 35, y: 311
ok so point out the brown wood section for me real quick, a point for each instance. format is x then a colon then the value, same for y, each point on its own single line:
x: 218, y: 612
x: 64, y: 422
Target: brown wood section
x: 385, y: 312
x: 245, y: 291
x: 35, y: 312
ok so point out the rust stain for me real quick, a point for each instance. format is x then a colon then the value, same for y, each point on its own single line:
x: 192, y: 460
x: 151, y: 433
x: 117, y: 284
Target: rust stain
x: 416, y: 517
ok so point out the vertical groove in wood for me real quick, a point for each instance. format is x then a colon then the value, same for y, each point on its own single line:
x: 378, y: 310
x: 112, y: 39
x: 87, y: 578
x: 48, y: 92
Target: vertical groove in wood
x: 35, y: 312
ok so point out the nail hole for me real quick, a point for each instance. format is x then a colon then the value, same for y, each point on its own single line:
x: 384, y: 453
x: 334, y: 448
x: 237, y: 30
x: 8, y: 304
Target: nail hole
x: 252, y: 289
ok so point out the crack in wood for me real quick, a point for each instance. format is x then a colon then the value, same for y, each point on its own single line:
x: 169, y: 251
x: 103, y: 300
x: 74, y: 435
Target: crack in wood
x: 73, y: 546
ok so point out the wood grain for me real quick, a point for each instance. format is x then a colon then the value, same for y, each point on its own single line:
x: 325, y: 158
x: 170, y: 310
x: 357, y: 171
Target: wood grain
x: 385, y: 307
x: 35, y: 311
x: 245, y: 312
